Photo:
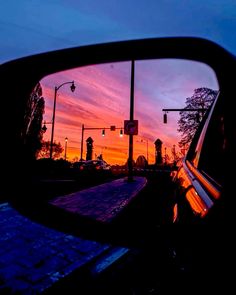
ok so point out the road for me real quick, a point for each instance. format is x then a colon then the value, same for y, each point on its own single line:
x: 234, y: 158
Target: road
x: 146, y: 267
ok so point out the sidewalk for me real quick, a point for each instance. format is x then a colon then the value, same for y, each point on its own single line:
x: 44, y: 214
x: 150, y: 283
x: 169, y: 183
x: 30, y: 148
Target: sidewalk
x: 34, y: 257
x: 102, y: 202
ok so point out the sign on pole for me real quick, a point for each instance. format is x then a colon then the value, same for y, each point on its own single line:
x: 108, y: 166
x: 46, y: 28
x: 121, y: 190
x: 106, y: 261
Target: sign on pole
x: 131, y: 127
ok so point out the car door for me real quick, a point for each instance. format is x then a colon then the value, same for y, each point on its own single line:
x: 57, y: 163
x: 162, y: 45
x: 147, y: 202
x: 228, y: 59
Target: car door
x: 200, y: 178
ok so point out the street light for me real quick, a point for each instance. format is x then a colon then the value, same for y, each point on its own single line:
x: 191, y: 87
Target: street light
x: 44, y: 127
x: 72, y: 87
x: 66, y: 140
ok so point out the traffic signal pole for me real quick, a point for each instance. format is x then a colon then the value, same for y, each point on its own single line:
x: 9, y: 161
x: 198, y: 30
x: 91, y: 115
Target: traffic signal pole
x: 111, y: 128
x: 202, y: 110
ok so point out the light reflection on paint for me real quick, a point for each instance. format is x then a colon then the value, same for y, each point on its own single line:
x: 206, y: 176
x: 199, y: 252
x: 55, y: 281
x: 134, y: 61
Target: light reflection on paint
x: 183, y: 178
x: 175, y: 213
x: 196, y: 202
x: 208, y: 186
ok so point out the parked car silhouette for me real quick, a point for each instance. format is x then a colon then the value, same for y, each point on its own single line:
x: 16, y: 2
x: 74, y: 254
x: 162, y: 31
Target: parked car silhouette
x: 95, y: 165
x: 78, y: 164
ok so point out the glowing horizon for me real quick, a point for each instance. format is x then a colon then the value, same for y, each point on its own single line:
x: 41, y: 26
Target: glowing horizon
x: 102, y: 99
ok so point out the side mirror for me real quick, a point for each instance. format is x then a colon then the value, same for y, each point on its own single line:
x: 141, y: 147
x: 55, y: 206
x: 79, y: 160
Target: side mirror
x: 19, y: 78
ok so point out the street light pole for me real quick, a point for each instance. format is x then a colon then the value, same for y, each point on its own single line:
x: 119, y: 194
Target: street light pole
x: 82, y: 143
x: 53, y: 121
x: 72, y: 87
x: 66, y: 140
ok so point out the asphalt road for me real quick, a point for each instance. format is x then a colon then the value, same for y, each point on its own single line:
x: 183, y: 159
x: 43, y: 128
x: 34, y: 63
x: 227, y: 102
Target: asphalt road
x: 142, y: 227
x: 149, y: 266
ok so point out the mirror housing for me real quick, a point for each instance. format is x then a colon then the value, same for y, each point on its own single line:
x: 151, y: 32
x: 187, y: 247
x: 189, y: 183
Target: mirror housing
x: 20, y: 76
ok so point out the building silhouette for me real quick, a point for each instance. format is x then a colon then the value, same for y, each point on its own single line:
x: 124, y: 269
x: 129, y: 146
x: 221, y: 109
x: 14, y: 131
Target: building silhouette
x: 89, y: 153
x: 158, y: 155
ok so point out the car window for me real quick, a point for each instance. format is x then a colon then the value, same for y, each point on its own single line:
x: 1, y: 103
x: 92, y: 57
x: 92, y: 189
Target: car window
x: 208, y: 155
x: 213, y: 151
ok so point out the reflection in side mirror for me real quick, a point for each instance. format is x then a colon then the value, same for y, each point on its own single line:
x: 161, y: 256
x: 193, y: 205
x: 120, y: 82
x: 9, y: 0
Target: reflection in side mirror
x: 103, y: 99
x: 101, y: 105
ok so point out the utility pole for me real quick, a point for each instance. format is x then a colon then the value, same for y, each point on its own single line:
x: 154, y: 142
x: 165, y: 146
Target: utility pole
x: 130, y: 160
x: 66, y: 140
x: 82, y: 143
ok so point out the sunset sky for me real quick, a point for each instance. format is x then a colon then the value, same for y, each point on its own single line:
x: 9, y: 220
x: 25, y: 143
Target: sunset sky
x: 32, y: 26
x: 102, y: 95
x: 102, y: 99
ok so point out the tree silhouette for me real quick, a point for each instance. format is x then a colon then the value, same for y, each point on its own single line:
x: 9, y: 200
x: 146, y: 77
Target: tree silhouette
x: 141, y: 162
x: 44, y: 152
x: 202, y: 98
x: 31, y: 132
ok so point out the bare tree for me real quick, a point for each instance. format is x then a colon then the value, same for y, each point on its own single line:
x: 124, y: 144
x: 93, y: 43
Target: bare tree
x: 189, y: 121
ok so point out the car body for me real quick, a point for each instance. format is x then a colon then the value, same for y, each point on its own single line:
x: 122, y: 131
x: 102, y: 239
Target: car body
x: 78, y: 164
x: 201, y: 196
x: 200, y: 178
x: 95, y: 165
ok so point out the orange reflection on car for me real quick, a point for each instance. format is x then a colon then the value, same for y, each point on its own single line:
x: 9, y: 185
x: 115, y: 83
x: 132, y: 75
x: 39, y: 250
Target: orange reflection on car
x: 196, y: 203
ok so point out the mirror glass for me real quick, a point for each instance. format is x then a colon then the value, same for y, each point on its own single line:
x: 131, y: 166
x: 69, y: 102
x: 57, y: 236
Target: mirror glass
x: 99, y: 104
x: 79, y: 129
x: 101, y: 123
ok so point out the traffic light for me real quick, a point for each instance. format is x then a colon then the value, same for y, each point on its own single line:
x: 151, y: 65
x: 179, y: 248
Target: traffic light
x: 72, y: 87
x: 165, y: 118
x: 44, y: 128
x: 103, y: 132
